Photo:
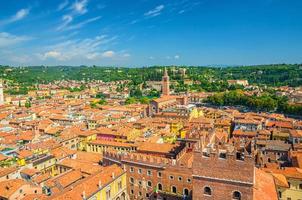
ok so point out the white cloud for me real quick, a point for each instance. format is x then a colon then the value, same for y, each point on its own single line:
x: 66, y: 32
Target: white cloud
x: 83, y: 23
x: 55, y: 55
x: 108, y: 54
x: 63, y: 5
x: 18, y: 16
x: 126, y: 55
x: 89, y: 48
x: 92, y: 56
x: 176, y: 57
x: 7, y: 39
x: 80, y: 6
x: 67, y: 19
x: 155, y: 12
x: 151, y: 58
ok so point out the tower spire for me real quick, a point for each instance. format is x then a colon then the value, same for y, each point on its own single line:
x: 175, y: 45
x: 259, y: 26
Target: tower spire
x: 166, y: 72
x: 165, y: 83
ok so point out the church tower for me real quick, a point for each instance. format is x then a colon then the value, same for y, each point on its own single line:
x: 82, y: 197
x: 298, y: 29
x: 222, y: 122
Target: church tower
x: 166, y: 84
x: 1, y: 93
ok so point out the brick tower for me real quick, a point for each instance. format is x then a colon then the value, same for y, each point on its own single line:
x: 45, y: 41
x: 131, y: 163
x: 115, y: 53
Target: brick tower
x: 166, y: 84
x: 1, y: 93
x: 220, y: 175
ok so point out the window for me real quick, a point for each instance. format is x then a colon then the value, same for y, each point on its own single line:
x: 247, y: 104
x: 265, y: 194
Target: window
x: 300, y: 186
x: 289, y: 184
x: 140, y: 171
x: 132, y: 180
x: 171, y: 177
x: 149, y: 184
x: 189, y: 180
x: 280, y: 195
x: 21, y: 191
x: 173, y: 189
x: 159, y: 186
x: 207, y: 191
x: 222, y: 155
x: 140, y: 183
x: 131, y: 169
x: 139, y: 193
x: 159, y: 174
x: 239, y: 156
x: 119, y: 185
x: 108, y: 195
x: 179, y: 178
x: 149, y: 172
x: 131, y: 191
x: 237, y: 195
x: 147, y: 195
x: 186, y: 192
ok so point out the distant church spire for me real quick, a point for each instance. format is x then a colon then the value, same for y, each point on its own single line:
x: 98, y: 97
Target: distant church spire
x: 1, y: 93
x: 166, y: 84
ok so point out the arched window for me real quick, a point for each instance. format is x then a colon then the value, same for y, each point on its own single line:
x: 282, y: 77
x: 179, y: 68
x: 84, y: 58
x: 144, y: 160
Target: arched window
x: 173, y: 189
x: 159, y: 186
x: 236, y: 195
x: 123, y: 196
x: 149, y: 183
x: 186, y: 192
x: 207, y: 191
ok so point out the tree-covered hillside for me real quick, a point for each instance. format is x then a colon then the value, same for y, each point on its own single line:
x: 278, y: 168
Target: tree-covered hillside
x: 271, y: 75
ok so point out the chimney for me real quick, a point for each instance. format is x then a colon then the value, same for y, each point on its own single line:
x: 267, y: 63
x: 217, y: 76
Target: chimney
x: 113, y: 175
x: 100, y: 184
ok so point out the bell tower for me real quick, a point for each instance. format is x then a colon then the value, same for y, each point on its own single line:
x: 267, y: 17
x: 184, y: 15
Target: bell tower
x: 165, y: 84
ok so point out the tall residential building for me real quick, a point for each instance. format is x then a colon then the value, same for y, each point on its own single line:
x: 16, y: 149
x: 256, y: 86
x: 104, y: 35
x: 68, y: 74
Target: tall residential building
x: 166, y: 84
x: 1, y: 94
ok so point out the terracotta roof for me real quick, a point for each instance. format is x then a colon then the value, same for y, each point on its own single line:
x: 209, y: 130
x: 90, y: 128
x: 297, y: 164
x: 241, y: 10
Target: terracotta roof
x: 90, y: 185
x: 24, y: 154
x: 155, y: 147
x: 289, y: 172
x: 35, y: 197
x: 64, y: 180
x: 62, y: 152
x: 88, y: 156
x: 6, y: 171
x: 240, y: 132
x: 41, y: 178
x: 111, y: 143
x: 264, y: 187
x: 280, y: 180
x: 29, y: 171
x: 296, y: 133
x: 84, y: 166
x: 9, y: 187
x: 3, y: 157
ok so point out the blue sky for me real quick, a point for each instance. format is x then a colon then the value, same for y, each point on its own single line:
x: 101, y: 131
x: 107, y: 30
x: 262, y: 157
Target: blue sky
x: 150, y: 32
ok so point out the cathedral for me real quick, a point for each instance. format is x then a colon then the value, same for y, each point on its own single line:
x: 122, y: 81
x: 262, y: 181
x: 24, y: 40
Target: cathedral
x: 166, y: 101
